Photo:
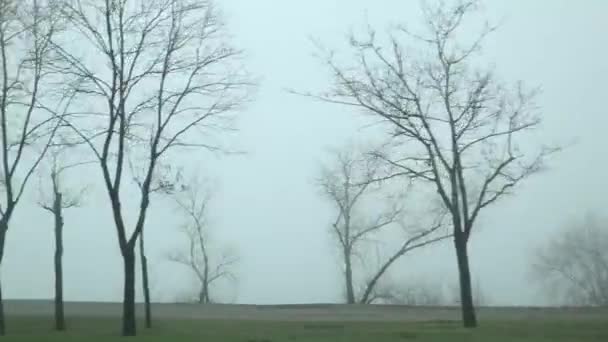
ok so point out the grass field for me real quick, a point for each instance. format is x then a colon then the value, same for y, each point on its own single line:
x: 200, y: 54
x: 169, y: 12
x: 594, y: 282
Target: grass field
x: 106, y: 329
x: 32, y: 321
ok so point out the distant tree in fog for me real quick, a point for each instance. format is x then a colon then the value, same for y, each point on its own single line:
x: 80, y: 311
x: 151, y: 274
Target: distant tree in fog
x: 56, y: 197
x: 451, y: 124
x: 424, y: 293
x: 574, y: 263
x: 480, y: 296
x: 209, y: 263
x: 365, y: 210
x: 415, y: 293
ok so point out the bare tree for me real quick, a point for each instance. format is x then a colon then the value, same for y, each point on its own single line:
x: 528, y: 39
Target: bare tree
x: 353, y: 180
x: 453, y: 126
x: 26, y: 28
x: 209, y: 268
x: 61, y: 197
x: 161, y: 77
x: 574, y: 264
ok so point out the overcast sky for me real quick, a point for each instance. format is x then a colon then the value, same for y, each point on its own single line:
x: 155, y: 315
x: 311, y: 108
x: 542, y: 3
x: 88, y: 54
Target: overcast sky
x: 267, y: 207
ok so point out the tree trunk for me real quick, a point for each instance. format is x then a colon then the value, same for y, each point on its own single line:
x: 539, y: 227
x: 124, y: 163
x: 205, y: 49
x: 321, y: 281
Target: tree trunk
x: 205, y: 291
x: 469, y: 319
x: 145, y: 283
x: 59, y: 312
x: 348, y: 277
x: 3, y: 229
x: 203, y: 296
x: 129, y: 327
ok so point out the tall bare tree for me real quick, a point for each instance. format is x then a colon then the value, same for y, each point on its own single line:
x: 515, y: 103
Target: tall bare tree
x: 192, y: 200
x: 26, y: 28
x: 161, y: 77
x: 164, y: 182
x: 574, y: 263
x: 55, y: 201
x: 350, y: 184
x: 453, y: 125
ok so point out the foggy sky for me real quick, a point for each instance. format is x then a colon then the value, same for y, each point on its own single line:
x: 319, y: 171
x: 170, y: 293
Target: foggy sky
x: 267, y: 206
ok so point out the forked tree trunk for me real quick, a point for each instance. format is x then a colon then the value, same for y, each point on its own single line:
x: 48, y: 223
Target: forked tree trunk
x: 466, y: 295
x: 59, y: 312
x: 129, y: 327
x: 145, y: 282
x: 202, y: 295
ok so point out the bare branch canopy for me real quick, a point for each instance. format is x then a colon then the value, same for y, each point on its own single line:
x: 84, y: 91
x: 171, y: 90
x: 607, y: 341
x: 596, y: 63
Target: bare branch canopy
x: 449, y: 123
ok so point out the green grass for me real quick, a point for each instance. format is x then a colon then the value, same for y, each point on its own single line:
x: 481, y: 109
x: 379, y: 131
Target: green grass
x: 33, y: 329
